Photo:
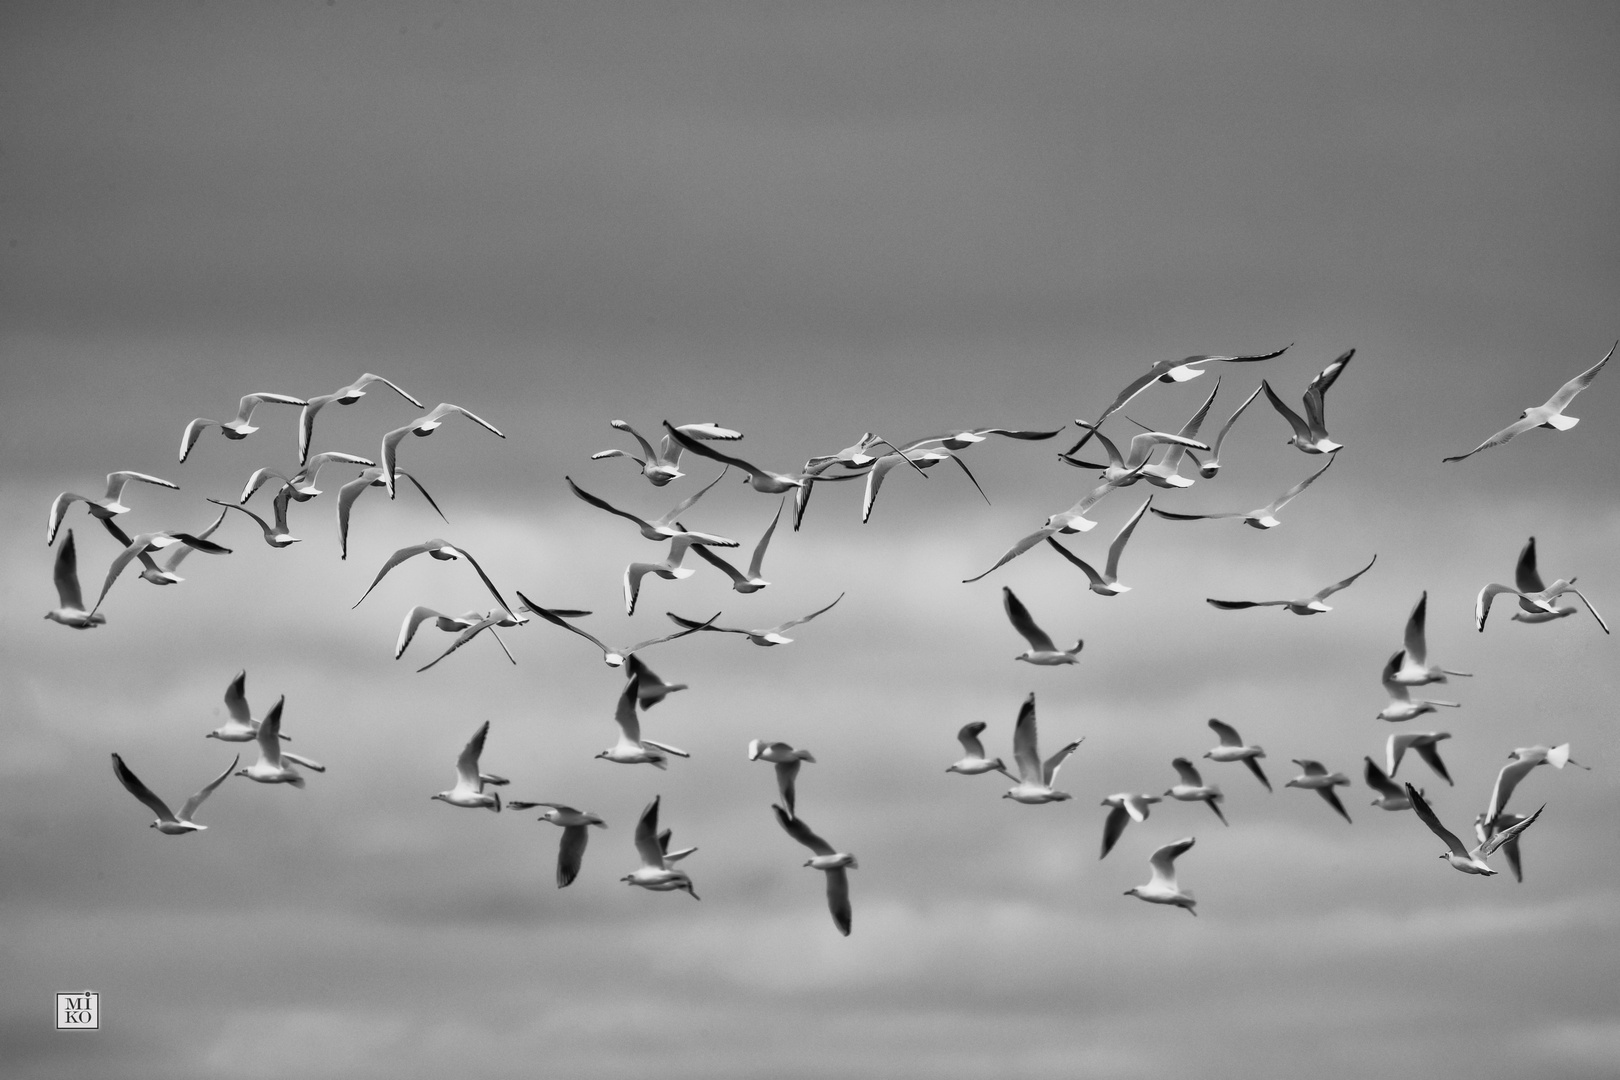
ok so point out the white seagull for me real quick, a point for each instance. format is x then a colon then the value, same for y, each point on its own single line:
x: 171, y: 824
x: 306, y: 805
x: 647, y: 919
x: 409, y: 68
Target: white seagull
x: 1162, y: 888
x: 829, y: 861
x: 1401, y: 707
x: 1316, y: 778
x: 1166, y: 473
x: 752, y: 581
x: 656, y: 872
x: 670, y: 570
x: 610, y: 656
x: 918, y: 459
x: 1129, y: 468
x: 1233, y: 748
x: 1310, y: 431
x: 270, y: 768
x: 240, y: 427
x: 349, y: 492
x: 1427, y: 745
x: 444, y: 551
x: 141, y: 543
x: 302, y: 482
x: 974, y: 762
x: 1263, y: 517
x: 766, y: 636
x: 1484, y: 830
x: 1537, y: 601
x: 1391, y: 796
x: 70, y: 610
x: 1042, y: 650
x: 762, y: 480
x: 1521, y: 761
x: 453, y: 624
x: 787, y: 761
x: 1549, y: 414
x: 496, y: 617
x: 1305, y: 605
x: 1127, y: 807
x: 469, y: 789
x: 1415, y: 669
x: 1035, y: 777
x: 632, y: 749
x: 662, y: 465
x: 168, y: 573
x: 168, y: 822
x: 422, y: 425
x: 1193, y: 789
x: 108, y: 506
x: 277, y: 535
x: 664, y: 527
x: 348, y: 395
x: 1072, y: 520
x: 1107, y: 582
x: 240, y: 725
x: 1212, y: 464
x: 1468, y: 861
x: 576, y: 832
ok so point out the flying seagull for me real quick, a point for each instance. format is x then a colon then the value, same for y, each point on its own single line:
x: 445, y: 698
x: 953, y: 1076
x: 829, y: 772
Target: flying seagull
x: 656, y: 871
x: 1310, y: 431
x: 1162, y: 887
x: 662, y: 465
x: 109, y: 505
x: 1468, y: 861
x: 168, y: 822
x: 1262, y: 517
x: 1537, y: 601
x: 1549, y: 414
x: 1233, y: 748
x: 1316, y: 778
x: 347, y: 395
x: 469, y: 789
x: 787, y: 761
x: 1127, y: 807
x: 422, y: 425
x: 1042, y: 650
x: 239, y: 427
x: 1035, y: 776
x: 1305, y: 605
x: 829, y: 861
x: 70, y: 610
x: 576, y: 831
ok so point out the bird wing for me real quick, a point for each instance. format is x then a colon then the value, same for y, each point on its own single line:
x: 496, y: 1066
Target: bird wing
x: 1506, y: 780
x: 488, y: 622
x: 467, y: 763
x: 1337, y: 585
x: 1113, y: 827
x: 488, y: 584
x: 625, y: 712
x: 1482, y: 603
x: 1567, y: 392
x: 708, y: 451
x: 1525, y: 574
x: 407, y: 630
x: 1220, y: 436
x: 395, y: 559
x: 1021, y: 621
x: 602, y: 504
x: 1238, y: 605
x: 196, y: 800
x: 791, y: 623
x: 1286, y: 497
x: 1429, y: 750
x: 1395, y: 749
x: 1589, y: 607
x: 1332, y: 798
x: 1302, y: 430
x: 647, y: 845
x: 1050, y: 770
x: 1163, y: 862
x: 1226, y: 732
x: 1416, y: 645
x: 1381, y: 783
x: 682, y: 506
x: 368, y: 378
x: 67, y: 575
x: 1122, y: 537
x: 1259, y: 774
x: 1315, y: 401
x: 268, y: 735
x: 236, y: 699
x: 444, y: 408
x: 1311, y: 768
x: 1196, y: 517
x: 188, y: 437
x: 1188, y: 772
x: 1016, y: 550
x: 758, y: 559
x: 1420, y: 806
x: 969, y: 738
x: 570, y: 853
x: 838, y: 899
x: 140, y: 790
x: 1510, y: 833
x: 1085, y: 567
x: 137, y: 546
x: 173, y: 562
x: 1026, y: 752
x: 796, y: 828
x: 1518, y: 427
x: 689, y: 626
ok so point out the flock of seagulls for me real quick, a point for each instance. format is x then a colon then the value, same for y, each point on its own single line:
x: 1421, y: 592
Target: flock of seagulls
x: 1157, y: 457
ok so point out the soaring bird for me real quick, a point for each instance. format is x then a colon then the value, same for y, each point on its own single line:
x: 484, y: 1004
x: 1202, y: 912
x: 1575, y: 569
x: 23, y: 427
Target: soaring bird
x: 829, y: 861
x: 423, y: 426
x: 1072, y: 520
x: 576, y: 832
x: 1261, y: 517
x: 302, y: 482
x: 150, y: 541
x: 276, y: 534
x: 469, y: 789
x: 1549, y: 414
x: 496, y: 617
x: 1192, y: 788
x: 1304, y: 605
x: 752, y: 581
x: 766, y: 636
x: 1310, y: 431
x: 1316, y: 778
x: 1464, y: 859
x: 1391, y: 796
x: 1166, y: 472
x: 632, y: 749
x: 787, y: 761
x: 1107, y: 582
x: 1425, y: 743
x: 973, y: 761
x: 238, y: 428
x: 347, y: 395
x: 70, y: 610
x: 168, y: 822
x: 271, y: 768
x: 1162, y: 887
x: 1128, y: 468
x: 1519, y: 765
x: 1233, y: 748
x: 657, y: 872
x: 612, y: 657
x: 663, y: 527
x: 1035, y: 776
x: 349, y: 492
x: 444, y: 551
x: 240, y: 724
x: 1415, y: 669
x: 1538, y: 602
x: 662, y: 465
x: 1042, y: 650
x: 474, y: 621
x: 108, y: 506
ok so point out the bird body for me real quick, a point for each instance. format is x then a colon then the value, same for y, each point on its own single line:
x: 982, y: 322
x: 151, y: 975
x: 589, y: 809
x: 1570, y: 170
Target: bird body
x: 829, y: 861
x: 1469, y: 861
x: 168, y: 822
x: 656, y: 872
x: 275, y: 765
x: 1549, y: 414
x: 1162, y: 887
x: 70, y: 610
x: 1035, y: 776
x: 469, y: 788
x: 1310, y: 431
x: 1315, y: 777
x: 974, y: 762
x: 575, y: 825
x: 787, y: 761
x: 1305, y: 605
x: 1192, y: 788
x: 1233, y: 748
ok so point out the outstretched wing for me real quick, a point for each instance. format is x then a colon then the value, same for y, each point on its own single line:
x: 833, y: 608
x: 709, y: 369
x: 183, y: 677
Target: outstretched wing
x: 140, y: 790
x: 796, y: 828
x: 1420, y: 806
x: 1021, y: 621
x: 196, y: 800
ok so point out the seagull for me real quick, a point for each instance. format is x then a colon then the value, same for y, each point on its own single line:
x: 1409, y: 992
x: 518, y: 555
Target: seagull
x: 1167, y: 473
x: 852, y: 457
x: 961, y: 439
x: 240, y: 725
x: 496, y: 617
x: 1484, y: 830
x: 469, y: 789
x: 1212, y: 464
x: 670, y: 570
x: 1391, y: 795
x: 110, y: 505
x: 348, y: 395
x: 661, y: 528
x: 1305, y: 605
x: 829, y: 861
x: 1427, y: 745
x: 167, y: 574
x: 71, y: 611
x: 239, y: 428
x: 650, y: 689
x: 1310, y: 431
x: 444, y: 551
x: 422, y: 425
x: 1318, y: 779
x: 655, y: 872
x: 450, y: 624
x: 632, y: 749
x: 787, y: 761
x: 1193, y: 789
x: 1168, y: 371
x: 1264, y: 517
x: 1536, y: 600
x: 1035, y: 778
x: 349, y: 492
x: 576, y: 831
x: 762, y: 480
x: 1162, y: 889
x: 1415, y: 669
x: 1548, y: 415
x: 270, y: 768
x: 1469, y: 862
x: 662, y: 465
x: 919, y: 460
x: 1127, y: 807
x: 1107, y: 582
x: 770, y: 635
x: 276, y: 535
x: 974, y: 762
x: 751, y: 582
x: 149, y: 541
x: 301, y: 483
x: 1131, y: 467
x: 1401, y: 706
x: 1232, y: 748
x: 1521, y: 761
x: 168, y: 823
x: 1072, y: 520
x: 611, y: 657
x: 1041, y: 649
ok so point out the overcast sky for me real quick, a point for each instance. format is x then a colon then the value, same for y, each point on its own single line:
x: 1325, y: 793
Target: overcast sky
x: 805, y: 222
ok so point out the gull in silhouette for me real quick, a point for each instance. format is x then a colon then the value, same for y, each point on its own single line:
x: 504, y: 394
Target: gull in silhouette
x: 1550, y: 414
x: 657, y: 872
x: 664, y: 527
x: 1401, y: 706
x: 469, y: 789
x: 1127, y: 807
x: 422, y: 425
x: 1162, y: 887
x: 770, y: 635
x: 828, y: 860
x: 348, y: 395
x: 349, y: 492
x: 106, y: 507
x: 240, y: 724
x: 610, y: 656
x: 1415, y: 669
x: 1468, y: 861
x: 240, y: 427
x: 1536, y: 600
x: 168, y: 822
x: 1168, y: 371
x: 1305, y: 605
x: 1042, y: 650
x: 1107, y: 582
x: 1391, y: 796
x: 750, y: 582
x: 632, y: 749
x: 275, y: 765
x: 663, y: 465
x: 974, y: 762
x: 1263, y: 517
x: 575, y: 833
x: 787, y: 761
x: 442, y: 550
x: 1427, y: 745
x: 301, y: 484
x: 1232, y: 748
x: 1310, y: 431
x: 1193, y: 789
x: 70, y: 610
x: 1035, y: 777
x: 1316, y: 778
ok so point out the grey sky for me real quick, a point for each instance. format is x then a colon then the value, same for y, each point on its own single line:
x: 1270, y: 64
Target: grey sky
x: 805, y: 221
